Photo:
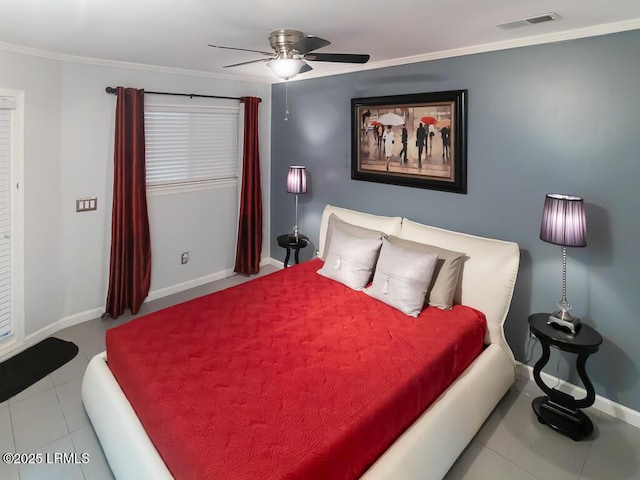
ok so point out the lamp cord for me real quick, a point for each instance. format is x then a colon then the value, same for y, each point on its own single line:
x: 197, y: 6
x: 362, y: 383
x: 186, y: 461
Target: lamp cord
x: 528, y: 356
x: 528, y: 350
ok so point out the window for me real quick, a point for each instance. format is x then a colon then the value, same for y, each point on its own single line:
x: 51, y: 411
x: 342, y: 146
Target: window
x: 191, y: 147
x: 6, y: 316
x: 11, y: 220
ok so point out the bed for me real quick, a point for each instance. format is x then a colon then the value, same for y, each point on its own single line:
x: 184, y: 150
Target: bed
x: 424, y: 446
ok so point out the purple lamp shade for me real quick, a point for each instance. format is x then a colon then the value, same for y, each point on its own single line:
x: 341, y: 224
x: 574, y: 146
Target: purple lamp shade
x: 297, y: 180
x: 563, y: 221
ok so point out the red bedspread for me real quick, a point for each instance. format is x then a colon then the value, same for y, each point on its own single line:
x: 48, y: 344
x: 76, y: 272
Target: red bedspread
x: 289, y: 376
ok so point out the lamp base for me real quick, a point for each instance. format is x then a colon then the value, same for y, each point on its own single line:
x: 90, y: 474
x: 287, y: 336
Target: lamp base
x: 563, y: 319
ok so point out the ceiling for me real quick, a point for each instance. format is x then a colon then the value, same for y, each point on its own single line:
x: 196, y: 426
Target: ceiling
x: 175, y: 34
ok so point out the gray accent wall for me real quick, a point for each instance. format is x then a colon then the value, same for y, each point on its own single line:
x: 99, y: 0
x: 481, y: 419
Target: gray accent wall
x: 562, y: 117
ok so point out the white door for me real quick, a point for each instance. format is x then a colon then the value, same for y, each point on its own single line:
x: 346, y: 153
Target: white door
x: 11, y: 139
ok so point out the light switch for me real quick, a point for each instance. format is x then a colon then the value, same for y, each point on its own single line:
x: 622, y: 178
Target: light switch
x: 86, y: 204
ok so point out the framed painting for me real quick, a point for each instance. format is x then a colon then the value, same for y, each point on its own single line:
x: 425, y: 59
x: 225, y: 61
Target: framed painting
x: 417, y: 140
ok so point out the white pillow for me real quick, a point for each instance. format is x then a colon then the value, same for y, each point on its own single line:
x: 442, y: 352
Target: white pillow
x: 350, y: 260
x: 402, y: 278
x: 336, y: 222
x: 445, y: 277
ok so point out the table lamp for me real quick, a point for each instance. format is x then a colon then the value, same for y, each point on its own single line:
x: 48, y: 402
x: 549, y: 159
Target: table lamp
x: 564, y: 224
x: 297, y: 183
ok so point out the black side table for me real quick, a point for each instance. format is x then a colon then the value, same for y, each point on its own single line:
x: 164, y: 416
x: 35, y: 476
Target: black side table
x: 557, y: 409
x: 289, y: 241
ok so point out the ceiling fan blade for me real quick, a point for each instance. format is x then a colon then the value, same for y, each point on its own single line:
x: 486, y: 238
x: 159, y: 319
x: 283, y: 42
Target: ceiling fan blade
x: 306, y: 68
x: 309, y: 43
x: 242, y: 49
x: 247, y: 63
x: 337, y: 57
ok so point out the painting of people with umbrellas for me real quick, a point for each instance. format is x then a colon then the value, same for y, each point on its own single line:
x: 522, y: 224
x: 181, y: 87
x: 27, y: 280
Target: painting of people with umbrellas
x: 417, y: 140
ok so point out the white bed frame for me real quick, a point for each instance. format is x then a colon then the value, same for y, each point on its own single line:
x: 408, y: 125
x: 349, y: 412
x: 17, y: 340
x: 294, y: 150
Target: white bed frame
x: 428, y: 448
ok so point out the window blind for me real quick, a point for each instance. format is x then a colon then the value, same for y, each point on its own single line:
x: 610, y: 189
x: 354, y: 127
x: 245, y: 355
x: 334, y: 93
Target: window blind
x: 187, y: 145
x: 7, y: 103
x: 6, y: 317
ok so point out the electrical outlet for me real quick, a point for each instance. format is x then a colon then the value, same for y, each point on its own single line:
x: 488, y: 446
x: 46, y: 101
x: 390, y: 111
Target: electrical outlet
x: 184, y: 258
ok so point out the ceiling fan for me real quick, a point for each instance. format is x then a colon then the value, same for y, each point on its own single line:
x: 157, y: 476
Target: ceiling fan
x: 290, y: 50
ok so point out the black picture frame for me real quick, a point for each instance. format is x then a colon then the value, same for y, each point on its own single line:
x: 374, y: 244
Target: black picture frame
x: 441, y: 163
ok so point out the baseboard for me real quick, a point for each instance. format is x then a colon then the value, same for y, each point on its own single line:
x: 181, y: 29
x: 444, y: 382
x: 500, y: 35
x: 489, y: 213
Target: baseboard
x: 52, y: 328
x: 196, y: 282
x: 625, y: 414
x: 180, y: 287
x: 273, y: 262
x: 266, y: 261
x: 94, y: 313
x: 603, y: 404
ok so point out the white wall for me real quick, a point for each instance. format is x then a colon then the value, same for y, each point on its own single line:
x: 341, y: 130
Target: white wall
x: 69, y: 154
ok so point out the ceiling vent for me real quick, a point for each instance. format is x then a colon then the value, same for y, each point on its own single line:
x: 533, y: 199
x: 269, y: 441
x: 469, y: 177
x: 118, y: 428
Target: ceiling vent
x: 525, y: 22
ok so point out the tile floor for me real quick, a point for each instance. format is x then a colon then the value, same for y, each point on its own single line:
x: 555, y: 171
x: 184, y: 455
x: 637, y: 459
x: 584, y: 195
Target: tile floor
x: 513, y: 445
x: 49, y: 417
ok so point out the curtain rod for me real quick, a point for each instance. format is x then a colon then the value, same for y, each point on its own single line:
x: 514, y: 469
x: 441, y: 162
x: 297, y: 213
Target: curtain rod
x: 191, y: 95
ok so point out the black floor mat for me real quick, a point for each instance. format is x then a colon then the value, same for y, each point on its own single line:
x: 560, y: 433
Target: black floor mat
x: 35, y: 363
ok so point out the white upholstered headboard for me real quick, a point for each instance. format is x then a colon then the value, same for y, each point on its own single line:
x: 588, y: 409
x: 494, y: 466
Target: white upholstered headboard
x: 388, y: 225
x: 488, y: 274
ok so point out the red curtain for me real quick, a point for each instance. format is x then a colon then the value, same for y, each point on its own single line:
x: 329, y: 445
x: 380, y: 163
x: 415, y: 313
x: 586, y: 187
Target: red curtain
x: 249, y: 243
x: 130, y: 267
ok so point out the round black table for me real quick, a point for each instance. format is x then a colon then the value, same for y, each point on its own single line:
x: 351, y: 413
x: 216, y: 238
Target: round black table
x: 557, y: 409
x: 289, y: 241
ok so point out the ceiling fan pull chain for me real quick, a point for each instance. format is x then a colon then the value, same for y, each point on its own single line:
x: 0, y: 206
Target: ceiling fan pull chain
x: 286, y: 100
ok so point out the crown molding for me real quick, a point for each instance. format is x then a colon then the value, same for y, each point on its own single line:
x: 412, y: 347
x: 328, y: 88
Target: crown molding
x: 594, y: 31
x: 128, y: 65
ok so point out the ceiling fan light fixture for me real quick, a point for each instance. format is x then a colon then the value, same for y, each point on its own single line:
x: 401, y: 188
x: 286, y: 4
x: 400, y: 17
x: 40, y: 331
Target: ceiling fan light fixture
x: 286, y: 68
